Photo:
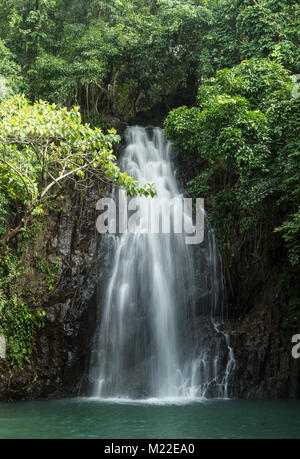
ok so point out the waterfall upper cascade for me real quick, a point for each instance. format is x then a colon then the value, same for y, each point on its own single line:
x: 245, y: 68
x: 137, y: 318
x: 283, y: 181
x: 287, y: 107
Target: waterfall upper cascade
x: 155, y: 340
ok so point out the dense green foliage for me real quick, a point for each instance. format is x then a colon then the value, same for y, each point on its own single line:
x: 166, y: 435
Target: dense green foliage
x: 11, y: 80
x: 19, y: 321
x: 116, y: 57
x: 245, y: 132
x: 42, y: 146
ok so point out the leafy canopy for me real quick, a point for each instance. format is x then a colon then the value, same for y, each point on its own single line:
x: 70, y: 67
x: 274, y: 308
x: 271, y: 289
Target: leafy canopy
x: 42, y: 146
x: 117, y: 57
x: 245, y: 139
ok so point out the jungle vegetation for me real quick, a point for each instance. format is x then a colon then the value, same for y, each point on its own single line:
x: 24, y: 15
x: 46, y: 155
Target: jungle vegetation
x: 224, y: 73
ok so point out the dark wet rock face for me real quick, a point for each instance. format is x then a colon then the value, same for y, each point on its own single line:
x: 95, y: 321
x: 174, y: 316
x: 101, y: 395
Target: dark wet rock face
x: 63, y: 346
x: 265, y: 367
x: 60, y: 367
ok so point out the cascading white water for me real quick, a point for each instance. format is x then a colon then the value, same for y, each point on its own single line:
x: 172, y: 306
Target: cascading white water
x: 152, y: 341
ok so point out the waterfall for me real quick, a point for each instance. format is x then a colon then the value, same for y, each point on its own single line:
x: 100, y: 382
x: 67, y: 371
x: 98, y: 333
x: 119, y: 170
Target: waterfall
x: 154, y: 340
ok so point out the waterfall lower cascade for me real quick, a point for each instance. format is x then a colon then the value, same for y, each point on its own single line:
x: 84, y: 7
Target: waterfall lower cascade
x: 159, y: 337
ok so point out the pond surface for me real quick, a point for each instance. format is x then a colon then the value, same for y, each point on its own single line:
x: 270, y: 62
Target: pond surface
x: 117, y: 419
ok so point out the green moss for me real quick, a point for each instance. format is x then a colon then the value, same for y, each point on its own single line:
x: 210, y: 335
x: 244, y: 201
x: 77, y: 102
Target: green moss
x: 18, y: 325
x: 50, y: 269
x: 19, y: 320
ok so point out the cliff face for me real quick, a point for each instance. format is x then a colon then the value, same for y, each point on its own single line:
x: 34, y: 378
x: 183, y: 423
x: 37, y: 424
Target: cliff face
x: 263, y: 301
x: 63, y: 346
x: 261, y: 340
x: 265, y: 368
x: 263, y: 313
